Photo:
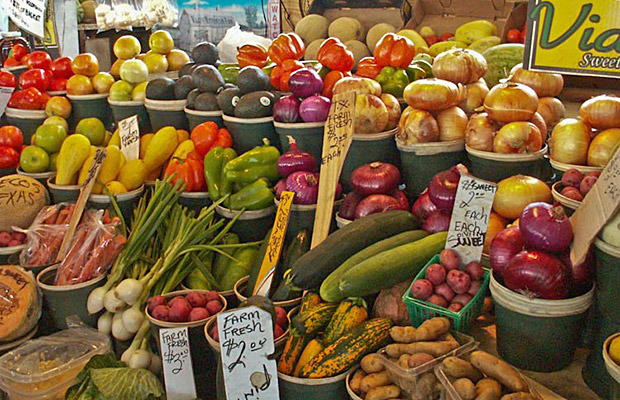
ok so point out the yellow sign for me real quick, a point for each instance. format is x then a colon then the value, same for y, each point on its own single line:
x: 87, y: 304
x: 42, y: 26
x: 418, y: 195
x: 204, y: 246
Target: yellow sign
x: 580, y: 37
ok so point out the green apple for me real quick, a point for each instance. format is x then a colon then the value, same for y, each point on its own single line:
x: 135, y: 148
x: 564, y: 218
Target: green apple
x: 53, y: 158
x: 50, y: 137
x: 34, y: 160
x: 93, y: 129
x: 134, y: 71
x: 56, y: 120
x: 121, y: 91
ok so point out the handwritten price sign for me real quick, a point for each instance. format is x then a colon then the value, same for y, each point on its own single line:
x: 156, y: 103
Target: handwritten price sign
x: 129, y: 132
x: 177, y: 364
x: 246, y: 340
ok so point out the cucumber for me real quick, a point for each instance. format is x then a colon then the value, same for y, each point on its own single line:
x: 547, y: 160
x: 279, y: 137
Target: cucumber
x: 329, y: 287
x: 313, y: 267
x: 256, y: 264
x: 390, y: 267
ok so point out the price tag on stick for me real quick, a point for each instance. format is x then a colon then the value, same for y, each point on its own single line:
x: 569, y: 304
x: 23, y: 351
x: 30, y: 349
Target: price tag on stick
x: 5, y: 96
x: 177, y: 364
x: 337, y: 139
x: 129, y: 132
x: 600, y: 204
x: 470, y: 218
x: 246, y: 344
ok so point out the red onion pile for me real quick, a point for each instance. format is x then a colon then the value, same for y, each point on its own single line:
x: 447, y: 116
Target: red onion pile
x: 306, y: 103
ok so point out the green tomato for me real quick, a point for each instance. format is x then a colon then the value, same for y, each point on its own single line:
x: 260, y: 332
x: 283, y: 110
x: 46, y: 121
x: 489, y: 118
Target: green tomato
x: 34, y: 160
x: 50, y: 137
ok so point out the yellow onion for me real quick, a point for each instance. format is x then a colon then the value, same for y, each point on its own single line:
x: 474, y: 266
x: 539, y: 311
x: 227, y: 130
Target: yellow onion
x: 434, y: 94
x: 540, y: 123
x: 476, y: 92
x: 510, y: 102
x: 603, y: 147
x: 516, y: 192
x: 517, y: 138
x: 601, y: 112
x: 460, y: 66
x: 371, y: 114
x: 452, y: 123
x: 544, y: 84
x: 569, y: 141
x: 551, y: 110
x: 419, y: 127
x: 496, y: 225
x: 480, y: 132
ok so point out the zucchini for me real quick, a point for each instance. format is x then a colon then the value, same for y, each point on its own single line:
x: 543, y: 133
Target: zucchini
x: 256, y: 264
x: 386, y: 269
x: 313, y: 348
x: 293, y: 348
x: 299, y: 246
x: 349, y: 314
x: 310, y: 321
x: 349, y: 349
x: 330, y: 283
x: 314, y: 266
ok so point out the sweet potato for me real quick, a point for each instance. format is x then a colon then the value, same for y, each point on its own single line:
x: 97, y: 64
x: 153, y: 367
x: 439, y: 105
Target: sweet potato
x: 458, y: 368
x: 519, y: 396
x: 374, y: 380
x: 435, y: 349
x: 465, y: 388
x: 371, y: 363
x: 427, y: 384
x: 403, y: 361
x: 415, y: 360
x: 356, y: 380
x: 446, y: 337
x: 488, y: 389
x: 383, y: 393
x: 430, y: 329
x: 499, y: 370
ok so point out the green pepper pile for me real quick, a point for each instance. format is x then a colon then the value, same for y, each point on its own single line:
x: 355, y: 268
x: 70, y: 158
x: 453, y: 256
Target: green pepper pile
x: 395, y: 80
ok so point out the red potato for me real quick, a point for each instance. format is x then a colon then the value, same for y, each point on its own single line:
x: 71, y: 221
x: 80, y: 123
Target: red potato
x: 14, y: 242
x: 475, y: 270
x: 436, y: 274
x: 572, y: 193
x: 458, y: 281
x: 422, y: 289
x: 5, y: 238
x: 154, y: 302
x: 456, y: 307
x: 196, y: 299
x: 179, y: 311
x: 18, y: 236
x: 437, y: 300
x: 594, y: 173
x: 281, y: 318
x: 462, y: 299
x: 474, y: 288
x: 176, y: 299
x: 586, y: 184
x: 211, y: 295
x: 444, y: 291
x: 198, y: 314
x: 214, y: 307
x: 161, y: 312
x: 449, y: 259
x: 572, y: 177
x: 214, y: 333
x: 278, y: 331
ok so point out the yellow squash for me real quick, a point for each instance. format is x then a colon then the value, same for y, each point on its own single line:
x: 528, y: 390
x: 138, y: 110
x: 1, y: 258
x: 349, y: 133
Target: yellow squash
x: 161, y: 148
x: 115, y: 140
x: 86, y: 166
x: 440, y: 47
x: 475, y: 30
x: 109, y: 169
x: 415, y: 37
x: 73, y: 152
x: 183, y: 149
x: 145, y: 140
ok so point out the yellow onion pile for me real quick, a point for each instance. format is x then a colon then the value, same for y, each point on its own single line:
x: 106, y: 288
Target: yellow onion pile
x: 460, y: 66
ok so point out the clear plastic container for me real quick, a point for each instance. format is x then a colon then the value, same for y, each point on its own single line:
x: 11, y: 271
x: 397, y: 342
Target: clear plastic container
x: 412, y: 381
x: 44, y: 368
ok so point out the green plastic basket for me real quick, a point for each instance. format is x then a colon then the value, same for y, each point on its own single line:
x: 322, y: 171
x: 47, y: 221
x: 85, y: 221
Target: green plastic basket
x: 420, y: 311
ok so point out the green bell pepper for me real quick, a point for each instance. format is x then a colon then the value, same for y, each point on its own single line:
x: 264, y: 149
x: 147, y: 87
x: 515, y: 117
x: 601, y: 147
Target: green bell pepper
x: 255, y: 196
x: 393, y: 80
x: 415, y: 72
x: 214, y: 163
x: 260, y: 162
x: 229, y: 72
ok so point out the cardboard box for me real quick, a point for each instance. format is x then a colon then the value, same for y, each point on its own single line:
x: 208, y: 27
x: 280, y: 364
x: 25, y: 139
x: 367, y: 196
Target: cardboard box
x: 515, y: 20
x: 368, y: 12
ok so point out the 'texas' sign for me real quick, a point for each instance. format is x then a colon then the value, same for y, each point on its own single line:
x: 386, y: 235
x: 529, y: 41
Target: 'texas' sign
x: 574, y: 37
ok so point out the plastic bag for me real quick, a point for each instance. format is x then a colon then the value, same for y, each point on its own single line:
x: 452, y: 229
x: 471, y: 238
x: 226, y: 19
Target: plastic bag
x: 162, y: 12
x: 235, y: 38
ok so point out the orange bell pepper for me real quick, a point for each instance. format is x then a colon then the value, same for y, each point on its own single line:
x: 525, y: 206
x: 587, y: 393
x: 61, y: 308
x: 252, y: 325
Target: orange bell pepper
x: 367, y: 67
x: 334, y: 55
x: 281, y: 73
x: 252, y: 54
x: 394, y: 50
x: 184, y: 173
x: 330, y: 80
x: 207, y: 135
x: 287, y: 46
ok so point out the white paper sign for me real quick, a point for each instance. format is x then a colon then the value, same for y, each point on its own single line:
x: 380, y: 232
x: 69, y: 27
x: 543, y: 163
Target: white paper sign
x: 246, y: 340
x: 470, y: 218
x: 5, y: 96
x: 129, y: 132
x: 29, y: 15
x: 177, y: 364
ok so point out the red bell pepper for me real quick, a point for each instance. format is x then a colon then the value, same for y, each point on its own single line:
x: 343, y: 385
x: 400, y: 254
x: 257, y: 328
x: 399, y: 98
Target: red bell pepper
x: 287, y: 46
x: 394, y: 50
x: 252, y: 54
x: 330, y: 80
x: 367, y: 67
x: 184, y: 173
x: 207, y: 135
x: 334, y: 55
x: 281, y: 73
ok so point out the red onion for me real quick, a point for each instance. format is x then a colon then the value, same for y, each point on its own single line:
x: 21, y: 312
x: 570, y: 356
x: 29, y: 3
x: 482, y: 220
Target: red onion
x: 442, y: 188
x: 375, y: 178
x: 504, y: 246
x: 305, y: 185
x: 286, y: 109
x: 537, y: 274
x: 295, y: 160
x: 545, y: 227
x: 423, y: 206
x: 305, y: 82
x: 279, y: 188
x: 315, y: 109
x: 376, y: 203
x: 338, y: 191
x: 438, y: 221
x: 349, y: 204
x: 582, y: 274
x: 400, y: 196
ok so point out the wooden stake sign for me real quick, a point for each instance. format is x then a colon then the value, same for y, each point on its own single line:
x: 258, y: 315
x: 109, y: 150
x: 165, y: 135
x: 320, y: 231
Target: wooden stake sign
x: 600, y: 204
x: 129, y: 132
x: 177, y: 364
x: 5, y: 96
x: 337, y: 139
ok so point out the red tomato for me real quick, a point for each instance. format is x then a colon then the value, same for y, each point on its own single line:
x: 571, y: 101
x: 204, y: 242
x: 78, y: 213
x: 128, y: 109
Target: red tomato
x: 39, y: 59
x: 61, y: 67
x: 24, y: 60
x: 10, y: 62
x: 15, y: 99
x: 524, y: 27
x: 431, y: 40
x: 58, y: 84
x: 48, y: 78
x: 33, y: 78
x: 18, y: 51
x: 446, y: 36
x: 9, y: 157
x: 12, y: 137
x: 7, y: 79
x: 522, y: 37
x: 44, y: 98
x: 514, y: 36
x: 32, y: 100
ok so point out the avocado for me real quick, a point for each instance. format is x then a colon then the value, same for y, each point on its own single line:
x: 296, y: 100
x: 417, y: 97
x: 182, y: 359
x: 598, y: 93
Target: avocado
x: 191, y: 98
x: 183, y: 86
x: 227, y: 100
x: 207, y: 78
x: 160, y: 89
x: 206, y: 101
x: 186, y: 69
x: 205, y: 53
x: 252, y: 79
x: 255, y: 105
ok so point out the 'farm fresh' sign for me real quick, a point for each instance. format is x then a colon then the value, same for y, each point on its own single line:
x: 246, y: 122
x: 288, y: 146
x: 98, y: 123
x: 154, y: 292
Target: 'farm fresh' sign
x: 574, y: 37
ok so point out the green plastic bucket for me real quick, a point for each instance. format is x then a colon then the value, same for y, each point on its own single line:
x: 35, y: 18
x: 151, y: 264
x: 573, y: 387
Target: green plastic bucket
x: 367, y: 148
x: 126, y: 109
x: 248, y: 133
x: 64, y: 301
x: 607, y: 278
x: 569, y: 205
x: 7, y: 171
x: 535, y: 334
x: 167, y: 113
x: 8, y: 253
x: 252, y: 225
x: 42, y: 177
x: 420, y: 162
x: 26, y: 120
x: 307, y: 135
x: 613, y: 369
x: 90, y: 106
x: 495, y: 166
x: 558, y: 169
x: 195, y: 201
x: 594, y: 371
x: 126, y: 202
x: 195, y: 117
x: 292, y: 388
x: 63, y: 193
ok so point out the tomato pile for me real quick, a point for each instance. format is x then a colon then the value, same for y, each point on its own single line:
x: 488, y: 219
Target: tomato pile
x: 11, y: 144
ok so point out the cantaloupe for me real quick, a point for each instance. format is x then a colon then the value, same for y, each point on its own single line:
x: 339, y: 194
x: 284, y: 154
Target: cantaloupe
x: 376, y: 32
x: 89, y: 10
x: 313, y: 49
x: 312, y: 27
x: 20, y: 303
x: 347, y: 28
x: 21, y: 198
x: 358, y: 49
